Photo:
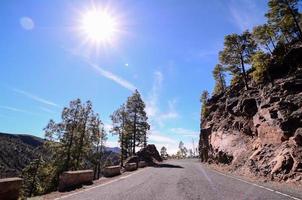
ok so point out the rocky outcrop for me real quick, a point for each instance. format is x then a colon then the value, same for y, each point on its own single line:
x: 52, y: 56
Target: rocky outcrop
x: 149, y: 154
x: 258, y: 131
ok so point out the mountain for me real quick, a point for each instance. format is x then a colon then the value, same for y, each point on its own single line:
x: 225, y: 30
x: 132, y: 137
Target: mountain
x: 258, y: 132
x: 16, y: 151
x: 113, y: 149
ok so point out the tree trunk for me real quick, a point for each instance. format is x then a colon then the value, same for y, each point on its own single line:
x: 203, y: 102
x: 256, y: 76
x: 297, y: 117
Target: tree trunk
x: 268, y: 48
x: 295, y: 19
x: 271, y: 39
x: 134, y: 132
x: 244, y: 73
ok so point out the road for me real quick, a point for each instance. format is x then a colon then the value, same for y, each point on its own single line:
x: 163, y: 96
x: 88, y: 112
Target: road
x: 178, y: 180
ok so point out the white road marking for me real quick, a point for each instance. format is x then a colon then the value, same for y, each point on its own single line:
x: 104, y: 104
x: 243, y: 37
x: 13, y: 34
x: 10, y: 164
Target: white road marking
x: 260, y: 186
x: 97, y: 186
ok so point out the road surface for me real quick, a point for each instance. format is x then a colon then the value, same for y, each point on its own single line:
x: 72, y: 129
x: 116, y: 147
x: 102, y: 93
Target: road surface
x: 178, y: 180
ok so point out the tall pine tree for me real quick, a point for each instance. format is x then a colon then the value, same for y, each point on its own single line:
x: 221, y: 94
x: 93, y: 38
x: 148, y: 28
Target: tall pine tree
x: 237, y: 52
x: 219, y: 76
x: 138, y: 123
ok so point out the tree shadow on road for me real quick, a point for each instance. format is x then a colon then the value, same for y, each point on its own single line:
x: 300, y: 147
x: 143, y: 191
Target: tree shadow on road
x: 164, y: 165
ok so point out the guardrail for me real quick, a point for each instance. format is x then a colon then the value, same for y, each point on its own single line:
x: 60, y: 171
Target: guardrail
x: 142, y: 164
x: 72, y: 179
x: 10, y: 188
x: 112, y: 171
x: 130, y: 166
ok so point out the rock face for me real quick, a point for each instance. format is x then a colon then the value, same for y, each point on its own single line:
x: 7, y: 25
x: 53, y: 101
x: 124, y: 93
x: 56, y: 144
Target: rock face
x: 258, y: 131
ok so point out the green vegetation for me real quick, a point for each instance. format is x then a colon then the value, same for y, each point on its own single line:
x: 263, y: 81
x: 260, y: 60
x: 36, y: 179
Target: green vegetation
x: 130, y: 123
x: 237, y: 52
x: 183, y: 151
x: 77, y: 142
x: 203, y: 99
x: 256, y: 50
x: 260, y: 62
x: 163, y: 153
x: 219, y: 76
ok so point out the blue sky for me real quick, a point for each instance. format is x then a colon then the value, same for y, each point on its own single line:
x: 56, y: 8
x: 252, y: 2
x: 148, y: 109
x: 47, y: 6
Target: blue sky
x: 165, y: 49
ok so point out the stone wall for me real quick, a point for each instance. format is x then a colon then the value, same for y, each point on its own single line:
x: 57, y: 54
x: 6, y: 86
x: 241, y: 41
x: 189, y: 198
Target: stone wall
x: 112, y: 171
x: 130, y: 166
x: 10, y: 188
x: 72, y: 179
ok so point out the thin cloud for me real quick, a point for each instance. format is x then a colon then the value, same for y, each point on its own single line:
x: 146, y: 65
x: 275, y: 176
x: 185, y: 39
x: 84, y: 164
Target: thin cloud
x: 47, y: 110
x: 27, y: 23
x: 156, y: 116
x: 159, y: 138
x: 107, y: 74
x: 185, y: 132
x: 17, y: 110
x: 35, y: 97
x: 245, y: 13
x: 107, y: 127
x: 117, y: 79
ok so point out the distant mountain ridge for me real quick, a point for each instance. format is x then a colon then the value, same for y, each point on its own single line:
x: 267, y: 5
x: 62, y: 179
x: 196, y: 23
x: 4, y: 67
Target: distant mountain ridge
x: 113, y: 149
x: 18, y: 150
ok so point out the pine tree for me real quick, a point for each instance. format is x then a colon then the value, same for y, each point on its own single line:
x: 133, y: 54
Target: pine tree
x: 284, y: 17
x: 120, y: 121
x: 260, y: 62
x: 71, y: 140
x: 163, y: 152
x: 99, y: 136
x: 265, y: 36
x: 203, y: 100
x: 219, y: 76
x: 237, y: 52
x: 37, y: 177
x: 138, y: 126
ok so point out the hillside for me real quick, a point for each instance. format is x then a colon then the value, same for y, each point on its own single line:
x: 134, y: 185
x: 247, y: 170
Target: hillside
x: 258, y: 132
x: 18, y: 150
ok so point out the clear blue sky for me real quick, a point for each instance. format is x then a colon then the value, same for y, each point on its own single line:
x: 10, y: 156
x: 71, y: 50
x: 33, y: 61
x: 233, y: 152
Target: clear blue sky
x: 165, y: 49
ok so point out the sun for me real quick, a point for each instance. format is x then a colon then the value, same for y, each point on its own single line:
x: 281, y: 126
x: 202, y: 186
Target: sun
x: 99, y: 26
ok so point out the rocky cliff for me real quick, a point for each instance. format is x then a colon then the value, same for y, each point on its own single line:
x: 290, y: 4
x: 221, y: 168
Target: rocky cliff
x: 258, y: 131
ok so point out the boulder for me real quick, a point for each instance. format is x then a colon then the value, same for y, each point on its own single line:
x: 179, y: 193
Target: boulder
x: 298, y: 137
x: 149, y: 154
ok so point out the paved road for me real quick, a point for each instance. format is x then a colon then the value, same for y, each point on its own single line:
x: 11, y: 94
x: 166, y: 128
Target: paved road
x: 177, y: 180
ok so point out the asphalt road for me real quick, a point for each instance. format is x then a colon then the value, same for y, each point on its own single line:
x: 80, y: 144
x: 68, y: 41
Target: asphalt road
x: 178, y: 180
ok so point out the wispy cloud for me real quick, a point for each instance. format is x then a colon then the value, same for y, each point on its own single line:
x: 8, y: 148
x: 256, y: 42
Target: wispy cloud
x: 35, y: 97
x: 17, y: 110
x: 107, y: 127
x: 151, y: 105
x: 161, y: 139
x: 117, y: 79
x: 112, y: 144
x: 47, y: 110
x: 185, y: 132
x: 105, y: 73
x: 245, y: 13
x: 155, y: 114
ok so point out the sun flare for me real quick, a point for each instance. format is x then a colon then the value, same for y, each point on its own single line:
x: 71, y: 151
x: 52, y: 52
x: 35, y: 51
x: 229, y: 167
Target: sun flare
x: 99, y: 26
